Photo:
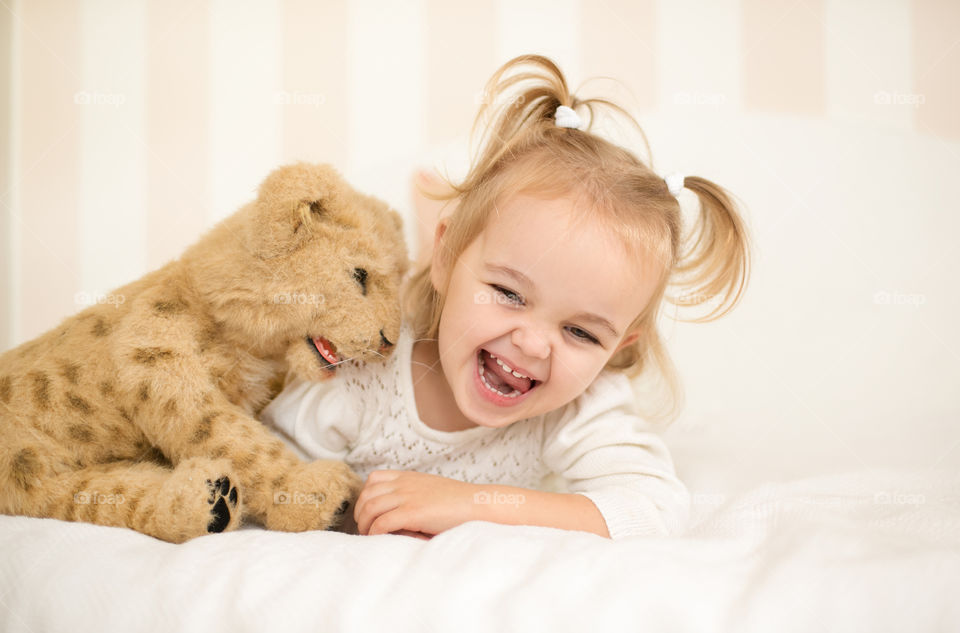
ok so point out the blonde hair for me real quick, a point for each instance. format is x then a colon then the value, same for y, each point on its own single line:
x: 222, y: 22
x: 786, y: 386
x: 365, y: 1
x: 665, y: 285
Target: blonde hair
x: 522, y: 150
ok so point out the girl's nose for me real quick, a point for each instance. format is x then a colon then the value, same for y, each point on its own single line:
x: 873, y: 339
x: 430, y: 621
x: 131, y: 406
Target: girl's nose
x: 531, y: 342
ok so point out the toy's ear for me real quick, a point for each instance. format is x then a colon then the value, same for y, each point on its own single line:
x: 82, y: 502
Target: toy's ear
x: 284, y: 226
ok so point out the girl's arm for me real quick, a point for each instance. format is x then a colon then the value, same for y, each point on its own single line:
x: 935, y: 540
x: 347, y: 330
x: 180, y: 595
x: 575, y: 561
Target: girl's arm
x: 412, y: 502
x: 519, y: 506
x: 618, y: 472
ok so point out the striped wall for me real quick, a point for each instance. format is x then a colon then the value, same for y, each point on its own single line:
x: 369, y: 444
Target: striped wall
x: 128, y: 127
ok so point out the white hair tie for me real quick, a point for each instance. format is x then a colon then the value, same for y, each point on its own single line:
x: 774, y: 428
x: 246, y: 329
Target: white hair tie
x: 675, y: 183
x: 567, y: 117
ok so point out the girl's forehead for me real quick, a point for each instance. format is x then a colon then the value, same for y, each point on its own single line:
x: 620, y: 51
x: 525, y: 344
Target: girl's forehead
x: 537, y: 224
x: 532, y: 221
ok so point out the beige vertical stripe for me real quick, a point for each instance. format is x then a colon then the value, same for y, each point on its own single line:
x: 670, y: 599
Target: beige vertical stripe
x: 783, y: 56
x: 243, y: 123
x: 619, y: 40
x: 51, y: 76
x: 176, y: 121
x: 313, y: 99
x: 460, y: 57
x: 6, y: 178
x: 386, y: 52
x: 936, y: 67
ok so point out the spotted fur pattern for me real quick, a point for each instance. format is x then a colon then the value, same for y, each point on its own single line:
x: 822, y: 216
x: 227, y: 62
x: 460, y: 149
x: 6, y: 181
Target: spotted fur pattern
x: 141, y: 412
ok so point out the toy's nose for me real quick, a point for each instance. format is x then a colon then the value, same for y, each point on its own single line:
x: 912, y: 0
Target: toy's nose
x: 384, y: 343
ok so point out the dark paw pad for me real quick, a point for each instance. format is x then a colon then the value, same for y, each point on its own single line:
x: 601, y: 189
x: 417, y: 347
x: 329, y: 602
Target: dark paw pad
x: 220, y: 493
x: 221, y: 516
x: 338, y: 515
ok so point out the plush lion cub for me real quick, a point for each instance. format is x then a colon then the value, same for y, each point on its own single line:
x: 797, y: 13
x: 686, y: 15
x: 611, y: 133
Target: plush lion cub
x: 140, y: 413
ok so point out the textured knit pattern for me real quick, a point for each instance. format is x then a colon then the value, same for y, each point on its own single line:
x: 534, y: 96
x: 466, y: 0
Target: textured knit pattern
x: 597, y: 445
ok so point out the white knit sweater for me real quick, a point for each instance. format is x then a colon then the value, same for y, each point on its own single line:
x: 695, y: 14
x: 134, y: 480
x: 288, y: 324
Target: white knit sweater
x: 598, y: 446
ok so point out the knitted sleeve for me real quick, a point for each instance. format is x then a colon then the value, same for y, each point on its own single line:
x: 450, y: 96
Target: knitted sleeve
x: 605, y: 451
x: 318, y: 420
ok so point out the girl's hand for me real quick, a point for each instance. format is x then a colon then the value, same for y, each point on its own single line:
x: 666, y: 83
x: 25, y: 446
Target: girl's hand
x: 412, y: 503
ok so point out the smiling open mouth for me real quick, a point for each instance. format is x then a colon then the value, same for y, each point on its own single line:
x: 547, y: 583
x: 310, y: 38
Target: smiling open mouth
x: 500, y: 378
x: 325, y: 350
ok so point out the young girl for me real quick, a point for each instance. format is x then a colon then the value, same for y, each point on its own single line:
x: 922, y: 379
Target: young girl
x: 521, y: 334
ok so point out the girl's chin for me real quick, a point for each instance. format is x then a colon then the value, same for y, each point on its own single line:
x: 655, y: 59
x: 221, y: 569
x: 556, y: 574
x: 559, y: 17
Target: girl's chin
x: 492, y: 423
x: 487, y: 416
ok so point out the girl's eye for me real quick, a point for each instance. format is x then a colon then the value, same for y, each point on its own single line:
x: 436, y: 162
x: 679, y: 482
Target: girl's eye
x: 583, y: 335
x: 510, y: 296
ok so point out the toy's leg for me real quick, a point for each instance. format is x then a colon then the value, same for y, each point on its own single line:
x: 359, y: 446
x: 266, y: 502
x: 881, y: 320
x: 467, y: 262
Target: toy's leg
x: 280, y: 491
x: 197, y: 497
x: 310, y: 496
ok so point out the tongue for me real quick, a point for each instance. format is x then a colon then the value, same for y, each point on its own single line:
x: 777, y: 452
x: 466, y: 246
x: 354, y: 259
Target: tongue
x: 326, y: 349
x: 520, y: 384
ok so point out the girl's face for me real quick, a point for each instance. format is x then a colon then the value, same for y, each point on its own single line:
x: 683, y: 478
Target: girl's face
x: 535, y: 307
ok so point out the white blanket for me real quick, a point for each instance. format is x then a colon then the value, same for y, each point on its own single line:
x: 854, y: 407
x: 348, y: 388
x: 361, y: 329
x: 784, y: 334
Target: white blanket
x: 852, y: 552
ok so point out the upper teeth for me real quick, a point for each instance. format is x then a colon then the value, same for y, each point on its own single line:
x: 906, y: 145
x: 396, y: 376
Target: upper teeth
x: 507, y: 367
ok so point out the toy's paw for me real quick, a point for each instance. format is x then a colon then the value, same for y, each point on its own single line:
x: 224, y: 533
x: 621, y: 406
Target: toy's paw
x: 199, y: 497
x: 315, y: 497
x: 223, y: 499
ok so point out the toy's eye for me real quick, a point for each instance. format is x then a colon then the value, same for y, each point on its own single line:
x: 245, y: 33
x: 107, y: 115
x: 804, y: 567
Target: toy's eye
x: 360, y: 274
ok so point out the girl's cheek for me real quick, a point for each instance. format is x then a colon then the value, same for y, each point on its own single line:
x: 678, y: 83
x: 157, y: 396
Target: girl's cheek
x: 577, y: 367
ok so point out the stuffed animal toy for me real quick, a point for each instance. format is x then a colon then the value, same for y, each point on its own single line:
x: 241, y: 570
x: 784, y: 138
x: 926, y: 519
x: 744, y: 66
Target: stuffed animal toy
x: 141, y: 413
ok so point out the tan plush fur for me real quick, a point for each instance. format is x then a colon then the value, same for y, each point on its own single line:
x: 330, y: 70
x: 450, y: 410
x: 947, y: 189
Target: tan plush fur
x: 139, y: 412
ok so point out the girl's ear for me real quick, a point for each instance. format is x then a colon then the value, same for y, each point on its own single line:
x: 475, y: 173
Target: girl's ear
x: 630, y: 340
x: 438, y: 262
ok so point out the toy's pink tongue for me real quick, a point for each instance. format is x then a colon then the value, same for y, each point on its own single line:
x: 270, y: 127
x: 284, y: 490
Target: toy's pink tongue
x: 326, y: 349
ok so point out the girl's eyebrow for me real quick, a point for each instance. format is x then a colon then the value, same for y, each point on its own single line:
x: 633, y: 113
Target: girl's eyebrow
x: 529, y: 288
x: 516, y: 275
x: 598, y: 320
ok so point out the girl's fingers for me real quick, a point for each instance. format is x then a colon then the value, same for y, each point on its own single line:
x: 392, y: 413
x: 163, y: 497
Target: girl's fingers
x: 370, y: 491
x: 373, y: 509
x: 383, y: 524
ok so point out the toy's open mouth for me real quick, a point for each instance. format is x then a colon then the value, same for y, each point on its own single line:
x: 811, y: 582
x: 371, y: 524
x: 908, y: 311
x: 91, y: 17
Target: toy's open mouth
x: 325, y: 350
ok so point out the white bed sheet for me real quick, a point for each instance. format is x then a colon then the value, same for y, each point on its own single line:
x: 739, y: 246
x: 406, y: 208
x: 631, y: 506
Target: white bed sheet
x: 877, y: 551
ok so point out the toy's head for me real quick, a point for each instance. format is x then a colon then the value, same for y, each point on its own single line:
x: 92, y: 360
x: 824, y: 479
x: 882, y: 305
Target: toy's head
x: 312, y: 271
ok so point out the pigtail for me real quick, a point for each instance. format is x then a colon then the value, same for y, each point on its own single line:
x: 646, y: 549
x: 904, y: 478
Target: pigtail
x: 713, y: 265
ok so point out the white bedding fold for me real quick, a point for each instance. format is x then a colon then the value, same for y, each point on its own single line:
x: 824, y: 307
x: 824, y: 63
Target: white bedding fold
x: 831, y: 553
